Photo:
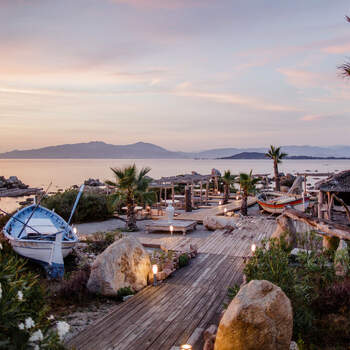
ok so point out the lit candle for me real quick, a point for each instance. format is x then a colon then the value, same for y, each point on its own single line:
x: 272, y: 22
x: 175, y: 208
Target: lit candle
x: 225, y: 210
x: 253, y: 248
x: 171, y: 228
x: 155, y: 270
x: 75, y: 230
x: 186, y: 347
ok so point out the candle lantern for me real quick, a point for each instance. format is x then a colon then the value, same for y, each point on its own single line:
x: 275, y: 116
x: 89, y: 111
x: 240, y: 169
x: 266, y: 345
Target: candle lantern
x: 155, y: 271
x: 186, y: 347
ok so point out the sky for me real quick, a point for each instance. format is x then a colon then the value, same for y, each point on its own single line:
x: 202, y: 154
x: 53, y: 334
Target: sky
x: 186, y: 75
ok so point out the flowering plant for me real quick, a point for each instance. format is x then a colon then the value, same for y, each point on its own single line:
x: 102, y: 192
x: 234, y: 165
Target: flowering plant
x: 24, y: 321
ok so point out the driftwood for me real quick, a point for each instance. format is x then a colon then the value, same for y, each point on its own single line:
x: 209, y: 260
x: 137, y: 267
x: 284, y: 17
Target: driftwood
x: 342, y: 203
x: 326, y: 227
x: 297, y: 185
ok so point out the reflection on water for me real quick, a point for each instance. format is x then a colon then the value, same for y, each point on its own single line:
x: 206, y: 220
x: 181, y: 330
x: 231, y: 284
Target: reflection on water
x: 67, y: 172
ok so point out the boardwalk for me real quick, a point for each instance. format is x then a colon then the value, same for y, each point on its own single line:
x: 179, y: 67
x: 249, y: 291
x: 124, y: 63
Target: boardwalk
x: 178, y: 310
x: 198, y: 215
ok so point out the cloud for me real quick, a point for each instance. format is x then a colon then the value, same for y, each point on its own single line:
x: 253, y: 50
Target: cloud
x: 316, y: 117
x: 162, y: 4
x: 301, y: 78
x: 236, y: 100
x: 337, y: 49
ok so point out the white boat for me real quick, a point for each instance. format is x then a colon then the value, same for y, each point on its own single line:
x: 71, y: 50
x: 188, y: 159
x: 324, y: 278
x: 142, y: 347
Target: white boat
x: 42, y: 235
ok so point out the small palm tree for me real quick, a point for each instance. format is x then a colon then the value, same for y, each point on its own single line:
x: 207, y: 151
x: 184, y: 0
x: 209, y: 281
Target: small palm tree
x: 345, y: 68
x: 132, y: 186
x: 276, y: 155
x: 228, y: 180
x: 248, y: 186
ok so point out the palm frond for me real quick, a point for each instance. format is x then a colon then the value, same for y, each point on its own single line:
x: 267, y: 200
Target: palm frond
x: 345, y: 70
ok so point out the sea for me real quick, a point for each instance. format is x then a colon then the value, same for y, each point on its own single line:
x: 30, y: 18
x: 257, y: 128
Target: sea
x: 64, y: 173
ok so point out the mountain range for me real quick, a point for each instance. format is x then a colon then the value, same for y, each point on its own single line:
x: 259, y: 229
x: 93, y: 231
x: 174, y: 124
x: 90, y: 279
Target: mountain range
x: 139, y: 150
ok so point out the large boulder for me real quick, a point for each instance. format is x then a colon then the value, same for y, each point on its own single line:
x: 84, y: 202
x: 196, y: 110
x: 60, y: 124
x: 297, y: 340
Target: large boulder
x: 285, y: 231
x: 259, y: 317
x: 213, y: 223
x: 124, y: 263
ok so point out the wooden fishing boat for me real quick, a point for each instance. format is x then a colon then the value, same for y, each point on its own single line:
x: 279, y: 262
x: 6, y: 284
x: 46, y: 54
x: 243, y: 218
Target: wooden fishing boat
x: 275, y: 204
x: 42, y: 235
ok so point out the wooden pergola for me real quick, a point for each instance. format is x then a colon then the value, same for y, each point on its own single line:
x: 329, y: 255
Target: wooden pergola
x: 336, y: 187
x: 190, y: 181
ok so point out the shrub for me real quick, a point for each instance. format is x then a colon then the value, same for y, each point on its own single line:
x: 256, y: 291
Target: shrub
x: 91, y: 207
x: 302, y: 282
x: 3, y: 220
x: 73, y: 289
x: 122, y: 292
x: 23, y: 311
x: 99, y: 241
x: 183, y: 260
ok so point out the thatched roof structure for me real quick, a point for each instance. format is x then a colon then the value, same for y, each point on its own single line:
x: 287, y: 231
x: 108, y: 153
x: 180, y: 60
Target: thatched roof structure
x: 184, y: 179
x: 337, y: 183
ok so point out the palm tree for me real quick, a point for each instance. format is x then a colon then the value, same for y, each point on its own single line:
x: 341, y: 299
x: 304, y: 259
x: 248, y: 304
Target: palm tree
x: 276, y: 155
x: 247, y: 183
x: 228, y: 180
x: 345, y: 67
x: 132, y: 186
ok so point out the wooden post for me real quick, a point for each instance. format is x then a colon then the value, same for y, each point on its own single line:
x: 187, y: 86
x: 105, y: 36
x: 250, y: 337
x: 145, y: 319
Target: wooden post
x: 192, y: 194
x: 173, y: 192
x: 201, y: 188
x: 188, y: 206
x: 330, y: 205
x: 206, y: 192
x: 305, y: 184
x: 320, y: 204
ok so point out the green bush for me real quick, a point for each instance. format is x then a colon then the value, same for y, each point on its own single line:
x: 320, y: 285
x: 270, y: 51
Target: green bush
x: 73, y: 289
x: 99, y: 241
x: 24, y: 322
x: 183, y: 260
x: 125, y: 291
x: 91, y: 207
x: 302, y: 281
x: 3, y: 220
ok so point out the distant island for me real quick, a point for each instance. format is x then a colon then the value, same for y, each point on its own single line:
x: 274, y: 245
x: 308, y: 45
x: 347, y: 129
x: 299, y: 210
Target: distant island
x: 144, y: 150
x: 95, y: 150
x: 258, y: 155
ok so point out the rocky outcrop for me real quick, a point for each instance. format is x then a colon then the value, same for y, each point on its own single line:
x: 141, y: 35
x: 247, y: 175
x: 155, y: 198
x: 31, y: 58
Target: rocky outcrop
x: 12, y: 182
x: 125, y: 263
x: 259, y: 317
x: 93, y: 182
x: 213, y: 223
x: 13, y: 187
x: 286, y: 231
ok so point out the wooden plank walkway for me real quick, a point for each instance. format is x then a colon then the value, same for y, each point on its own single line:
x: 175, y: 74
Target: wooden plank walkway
x: 185, y: 304
x: 198, y: 215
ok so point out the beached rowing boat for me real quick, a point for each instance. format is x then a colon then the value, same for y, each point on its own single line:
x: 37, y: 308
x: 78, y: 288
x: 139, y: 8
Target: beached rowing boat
x: 36, y: 241
x: 42, y: 235
x: 276, y: 204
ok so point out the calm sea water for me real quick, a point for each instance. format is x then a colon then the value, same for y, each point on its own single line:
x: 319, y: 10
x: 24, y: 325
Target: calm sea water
x: 67, y: 172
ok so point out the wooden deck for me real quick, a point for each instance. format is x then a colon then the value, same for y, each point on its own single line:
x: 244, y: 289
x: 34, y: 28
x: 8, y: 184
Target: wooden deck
x: 198, y: 215
x: 178, y: 310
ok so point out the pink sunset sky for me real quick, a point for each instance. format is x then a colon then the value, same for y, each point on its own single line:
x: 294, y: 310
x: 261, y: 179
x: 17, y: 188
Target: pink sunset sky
x: 184, y: 74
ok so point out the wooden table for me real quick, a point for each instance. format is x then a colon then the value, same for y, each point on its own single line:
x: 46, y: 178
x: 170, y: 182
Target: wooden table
x: 178, y: 226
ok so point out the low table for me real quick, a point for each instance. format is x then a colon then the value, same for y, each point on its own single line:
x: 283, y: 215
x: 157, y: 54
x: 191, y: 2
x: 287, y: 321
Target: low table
x: 178, y: 226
